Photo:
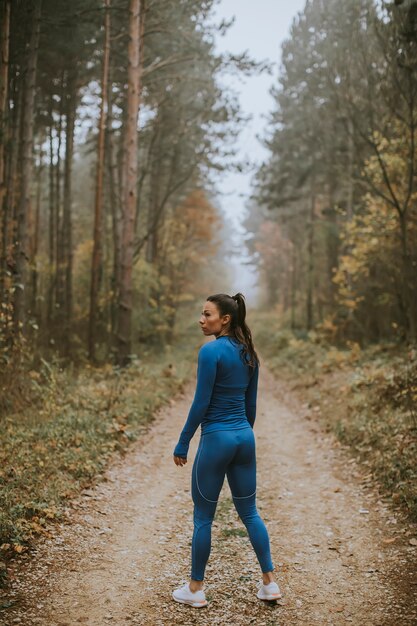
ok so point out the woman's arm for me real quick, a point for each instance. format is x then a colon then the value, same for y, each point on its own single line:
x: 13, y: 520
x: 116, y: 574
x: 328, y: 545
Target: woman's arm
x: 251, y: 395
x: 206, y: 375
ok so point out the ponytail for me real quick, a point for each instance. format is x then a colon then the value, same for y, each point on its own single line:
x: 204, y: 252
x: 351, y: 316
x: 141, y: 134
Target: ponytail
x: 235, y: 306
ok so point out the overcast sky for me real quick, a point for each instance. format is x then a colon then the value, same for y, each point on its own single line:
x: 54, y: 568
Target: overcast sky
x: 260, y: 28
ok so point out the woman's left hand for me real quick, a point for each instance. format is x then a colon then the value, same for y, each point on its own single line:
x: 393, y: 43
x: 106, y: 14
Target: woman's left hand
x: 178, y: 460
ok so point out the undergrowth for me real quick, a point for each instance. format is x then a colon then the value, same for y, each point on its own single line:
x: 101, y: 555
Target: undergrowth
x: 367, y: 397
x: 55, y: 448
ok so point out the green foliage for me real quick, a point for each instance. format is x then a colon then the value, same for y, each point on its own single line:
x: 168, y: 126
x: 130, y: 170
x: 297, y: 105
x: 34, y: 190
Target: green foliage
x: 151, y: 311
x: 234, y: 532
x: 284, y: 349
x: 376, y: 275
x: 188, y: 123
x: 339, y: 242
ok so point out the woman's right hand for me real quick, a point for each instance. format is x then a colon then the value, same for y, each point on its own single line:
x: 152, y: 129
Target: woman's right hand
x: 179, y: 460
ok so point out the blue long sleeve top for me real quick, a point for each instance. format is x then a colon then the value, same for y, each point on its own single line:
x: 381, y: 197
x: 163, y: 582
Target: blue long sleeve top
x: 226, y: 392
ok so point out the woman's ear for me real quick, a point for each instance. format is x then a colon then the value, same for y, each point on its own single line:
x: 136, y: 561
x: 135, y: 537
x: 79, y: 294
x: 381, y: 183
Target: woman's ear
x: 226, y: 319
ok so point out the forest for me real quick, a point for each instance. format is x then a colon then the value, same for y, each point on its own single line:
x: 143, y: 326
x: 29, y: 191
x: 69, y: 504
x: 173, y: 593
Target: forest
x: 334, y: 208
x: 112, y: 124
x: 116, y: 126
x: 109, y: 153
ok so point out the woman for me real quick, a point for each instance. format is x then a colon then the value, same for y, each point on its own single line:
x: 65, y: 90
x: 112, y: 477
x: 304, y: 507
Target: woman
x: 225, y: 406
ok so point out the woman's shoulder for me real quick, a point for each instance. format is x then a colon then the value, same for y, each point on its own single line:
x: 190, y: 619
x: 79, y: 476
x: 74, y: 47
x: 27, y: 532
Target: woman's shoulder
x: 209, y: 348
x: 214, y: 348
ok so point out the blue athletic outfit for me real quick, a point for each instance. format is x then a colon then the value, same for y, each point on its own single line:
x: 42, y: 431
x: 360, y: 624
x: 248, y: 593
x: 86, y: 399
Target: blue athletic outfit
x: 225, y: 406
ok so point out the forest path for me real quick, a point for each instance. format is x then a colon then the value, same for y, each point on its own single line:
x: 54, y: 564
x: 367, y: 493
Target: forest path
x: 341, y: 555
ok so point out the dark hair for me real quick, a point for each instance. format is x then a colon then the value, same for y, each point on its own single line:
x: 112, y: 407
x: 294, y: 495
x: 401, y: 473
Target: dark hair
x: 236, y: 308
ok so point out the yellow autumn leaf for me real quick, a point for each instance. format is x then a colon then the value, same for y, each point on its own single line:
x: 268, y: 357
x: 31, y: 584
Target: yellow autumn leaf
x: 17, y: 547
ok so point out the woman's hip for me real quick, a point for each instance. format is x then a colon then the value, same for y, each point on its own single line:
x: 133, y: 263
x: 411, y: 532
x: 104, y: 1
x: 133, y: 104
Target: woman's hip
x: 224, y: 445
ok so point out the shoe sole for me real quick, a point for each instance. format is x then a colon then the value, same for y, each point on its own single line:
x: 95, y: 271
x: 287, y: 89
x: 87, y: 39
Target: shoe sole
x: 196, y: 605
x: 275, y: 596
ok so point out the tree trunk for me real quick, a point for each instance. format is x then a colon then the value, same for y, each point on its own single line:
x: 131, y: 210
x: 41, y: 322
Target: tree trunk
x: 4, y: 81
x: 9, y: 221
x: 97, y: 261
x: 59, y: 233
x: 409, y: 280
x: 129, y: 186
x: 35, y: 244
x: 52, y: 228
x: 310, y: 257
x: 153, y: 210
x: 293, y: 285
x: 67, y: 211
x: 26, y: 168
x: 332, y: 244
x: 350, y: 165
x: 115, y: 217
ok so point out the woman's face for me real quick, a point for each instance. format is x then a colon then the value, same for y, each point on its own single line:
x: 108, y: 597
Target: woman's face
x: 210, y: 321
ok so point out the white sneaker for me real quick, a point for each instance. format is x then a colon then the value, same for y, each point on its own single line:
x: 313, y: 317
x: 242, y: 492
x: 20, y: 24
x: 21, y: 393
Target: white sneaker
x: 269, y: 592
x: 184, y: 594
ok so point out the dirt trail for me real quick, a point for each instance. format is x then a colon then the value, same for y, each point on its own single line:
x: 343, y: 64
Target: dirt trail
x: 127, y: 543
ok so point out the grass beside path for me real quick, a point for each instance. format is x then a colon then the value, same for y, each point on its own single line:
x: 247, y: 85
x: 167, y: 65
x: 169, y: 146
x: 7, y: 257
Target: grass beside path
x: 367, y: 397
x: 50, y: 454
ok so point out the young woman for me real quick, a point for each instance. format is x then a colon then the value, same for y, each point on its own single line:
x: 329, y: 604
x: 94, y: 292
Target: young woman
x: 225, y: 406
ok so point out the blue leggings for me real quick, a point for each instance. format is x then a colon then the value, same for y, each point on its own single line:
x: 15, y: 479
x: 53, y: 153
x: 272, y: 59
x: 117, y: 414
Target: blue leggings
x: 231, y: 453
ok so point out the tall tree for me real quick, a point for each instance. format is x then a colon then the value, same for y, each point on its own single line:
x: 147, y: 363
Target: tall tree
x: 21, y: 244
x: 5, y: 8
x: 97, y: 259
x: 4, y: 80
x: 129, y: 183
